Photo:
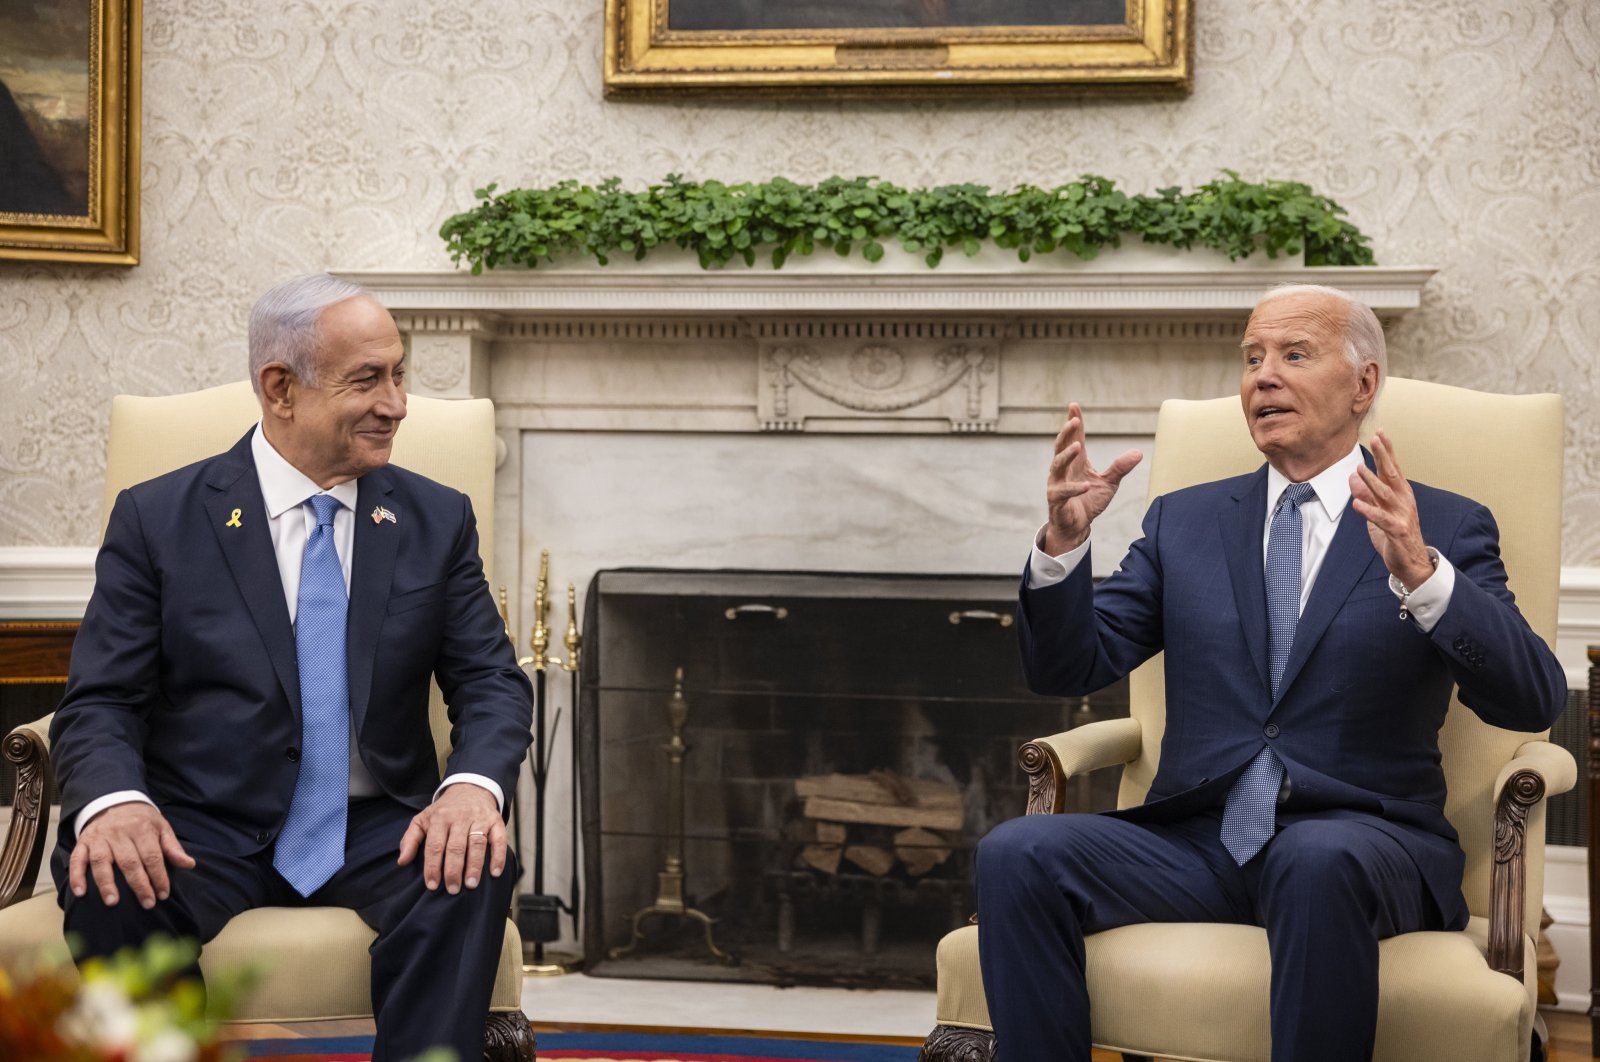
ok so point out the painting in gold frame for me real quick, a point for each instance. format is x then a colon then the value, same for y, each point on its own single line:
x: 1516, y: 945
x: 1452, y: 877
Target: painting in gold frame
x: 69, y: 130
x: 898, y: 47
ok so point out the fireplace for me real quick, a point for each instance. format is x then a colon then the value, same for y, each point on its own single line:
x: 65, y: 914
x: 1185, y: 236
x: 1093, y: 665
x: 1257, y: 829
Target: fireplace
x: 849, y: 739
x: 752, y: 419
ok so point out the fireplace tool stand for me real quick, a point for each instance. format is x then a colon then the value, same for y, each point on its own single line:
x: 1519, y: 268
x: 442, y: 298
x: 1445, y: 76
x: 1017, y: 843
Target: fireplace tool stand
x: 669, y: 882
x: 538, y: 913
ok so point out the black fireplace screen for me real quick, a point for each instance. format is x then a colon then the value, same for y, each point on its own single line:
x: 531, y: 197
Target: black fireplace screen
x: 837, y: 744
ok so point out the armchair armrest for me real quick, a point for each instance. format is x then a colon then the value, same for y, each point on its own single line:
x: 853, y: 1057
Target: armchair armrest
x: 28, y: 748
x: 1050, y: 761
x: 1537, y: 771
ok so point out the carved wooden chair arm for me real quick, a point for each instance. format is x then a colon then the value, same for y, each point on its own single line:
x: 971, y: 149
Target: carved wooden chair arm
x: 1538, y: 771
x: 1050, y: 761
x: 28, y: 749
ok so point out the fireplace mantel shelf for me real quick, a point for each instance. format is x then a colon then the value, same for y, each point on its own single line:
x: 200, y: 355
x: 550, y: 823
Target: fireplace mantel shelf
x: 1207, y: 293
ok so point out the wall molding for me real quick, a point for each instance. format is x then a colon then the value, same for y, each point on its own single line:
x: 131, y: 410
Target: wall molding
x: 45, y: 582
x: 54, y: 582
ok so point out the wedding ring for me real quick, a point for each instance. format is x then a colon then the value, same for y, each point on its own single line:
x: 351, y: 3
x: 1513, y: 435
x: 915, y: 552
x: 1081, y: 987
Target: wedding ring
x: 476, y: 833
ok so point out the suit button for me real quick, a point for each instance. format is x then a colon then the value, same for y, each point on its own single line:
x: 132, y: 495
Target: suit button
x: 291, y: 754
x: 1459, y: 644
x: 262, y: 836
x: 1271, y: 730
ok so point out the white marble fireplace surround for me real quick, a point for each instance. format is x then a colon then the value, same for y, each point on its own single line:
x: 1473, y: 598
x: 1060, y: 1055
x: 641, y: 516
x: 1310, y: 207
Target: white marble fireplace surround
x: 832, y: 417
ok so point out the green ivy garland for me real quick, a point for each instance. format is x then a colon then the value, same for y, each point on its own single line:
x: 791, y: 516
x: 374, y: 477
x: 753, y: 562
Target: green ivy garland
x: 721, y: 222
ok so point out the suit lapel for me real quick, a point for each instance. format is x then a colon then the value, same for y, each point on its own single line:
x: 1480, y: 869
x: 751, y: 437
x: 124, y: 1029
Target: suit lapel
x: 377, y: 543
x: 1242, y: 525
x: 1349, y: 556
x: 246, y: 543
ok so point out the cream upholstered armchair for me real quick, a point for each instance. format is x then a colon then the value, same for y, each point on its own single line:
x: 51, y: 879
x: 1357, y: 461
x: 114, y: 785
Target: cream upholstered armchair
x: 1199, y: 991
x: 313, y: 960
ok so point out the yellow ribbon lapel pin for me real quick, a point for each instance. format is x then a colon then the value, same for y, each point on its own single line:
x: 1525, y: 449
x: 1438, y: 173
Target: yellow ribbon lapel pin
x: 380, y: 514
x: 233, y: 521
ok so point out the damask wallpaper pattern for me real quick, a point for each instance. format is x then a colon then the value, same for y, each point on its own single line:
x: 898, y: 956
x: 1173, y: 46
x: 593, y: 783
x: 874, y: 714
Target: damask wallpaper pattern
x: 339, y: 133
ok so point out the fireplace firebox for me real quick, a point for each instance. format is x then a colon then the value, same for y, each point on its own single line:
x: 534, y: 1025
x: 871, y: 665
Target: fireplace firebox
x: 784, y: 775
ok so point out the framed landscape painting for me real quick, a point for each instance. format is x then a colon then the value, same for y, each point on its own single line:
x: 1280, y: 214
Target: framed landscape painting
x: 69, y: 130
x: 898, y: 47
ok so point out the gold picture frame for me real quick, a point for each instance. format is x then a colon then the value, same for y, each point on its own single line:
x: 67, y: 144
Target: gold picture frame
x: 69, y: 131
x: 898, y: 47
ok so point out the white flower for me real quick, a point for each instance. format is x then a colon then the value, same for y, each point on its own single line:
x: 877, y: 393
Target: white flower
x: 102, y: 1017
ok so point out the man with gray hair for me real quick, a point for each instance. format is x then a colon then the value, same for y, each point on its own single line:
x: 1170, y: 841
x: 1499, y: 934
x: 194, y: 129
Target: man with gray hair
x: 1315, y: 616
x: 246, y: 719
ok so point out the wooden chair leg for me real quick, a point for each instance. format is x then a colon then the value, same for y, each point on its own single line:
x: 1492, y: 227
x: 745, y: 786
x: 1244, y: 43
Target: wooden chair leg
x: 508, y: 1037
x: 950, y: 1043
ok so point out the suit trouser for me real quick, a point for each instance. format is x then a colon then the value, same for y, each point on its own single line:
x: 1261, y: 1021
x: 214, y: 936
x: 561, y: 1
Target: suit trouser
x: 433, y: 964
x: 1326, y: 889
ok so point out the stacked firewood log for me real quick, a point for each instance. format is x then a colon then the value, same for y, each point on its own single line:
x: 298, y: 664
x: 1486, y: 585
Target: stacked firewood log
x: 877, y: 820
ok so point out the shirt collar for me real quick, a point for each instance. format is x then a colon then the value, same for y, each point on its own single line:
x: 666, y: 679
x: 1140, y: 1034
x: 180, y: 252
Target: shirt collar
x: 1332, y: 484
x: 285, y: 487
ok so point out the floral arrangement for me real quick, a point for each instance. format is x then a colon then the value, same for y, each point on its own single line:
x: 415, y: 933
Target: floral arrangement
x: 134, y: 1007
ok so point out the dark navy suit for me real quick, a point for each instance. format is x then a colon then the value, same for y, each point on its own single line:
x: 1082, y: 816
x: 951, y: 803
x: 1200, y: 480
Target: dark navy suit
x: 185, y: 686
x: 1363, y: 849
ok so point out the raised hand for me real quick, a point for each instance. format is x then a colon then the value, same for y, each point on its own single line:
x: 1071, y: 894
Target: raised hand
x: 1385, y: 499
x: 1075, y: 493
x: 454, y: 834
x: 134, y: 838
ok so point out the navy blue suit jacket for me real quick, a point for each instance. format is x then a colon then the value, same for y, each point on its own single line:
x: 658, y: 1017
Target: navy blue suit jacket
x: 1363, y: 695
x: 184, y: 680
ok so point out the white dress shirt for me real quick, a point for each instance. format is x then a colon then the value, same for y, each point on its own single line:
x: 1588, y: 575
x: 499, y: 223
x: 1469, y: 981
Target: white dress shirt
x: 1318, y: 522
x: 286, y: 491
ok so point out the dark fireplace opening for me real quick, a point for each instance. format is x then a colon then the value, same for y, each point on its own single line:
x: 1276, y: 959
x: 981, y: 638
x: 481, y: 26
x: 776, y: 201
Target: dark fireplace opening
x: 837, y: 744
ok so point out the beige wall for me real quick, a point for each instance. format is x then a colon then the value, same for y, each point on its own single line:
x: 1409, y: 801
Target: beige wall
x: 339, y: 133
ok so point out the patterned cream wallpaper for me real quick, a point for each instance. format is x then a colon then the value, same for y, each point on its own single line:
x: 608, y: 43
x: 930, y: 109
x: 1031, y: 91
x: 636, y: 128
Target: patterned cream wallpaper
x: 339, y: 133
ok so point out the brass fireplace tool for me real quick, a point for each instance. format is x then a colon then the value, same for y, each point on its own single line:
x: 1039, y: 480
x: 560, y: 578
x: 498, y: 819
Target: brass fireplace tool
x: 537, y: 913
x: 669, y: 882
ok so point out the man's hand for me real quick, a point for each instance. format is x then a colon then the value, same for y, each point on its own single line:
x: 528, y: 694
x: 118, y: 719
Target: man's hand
x: 135, y: 837
x: 1075, y: 492
x: 1385, y: 499
x: 453, y: 834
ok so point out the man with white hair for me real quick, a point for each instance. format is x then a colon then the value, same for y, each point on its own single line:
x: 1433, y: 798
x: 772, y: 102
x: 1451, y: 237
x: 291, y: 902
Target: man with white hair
x: 1315, y: 616
x: 246, y: 719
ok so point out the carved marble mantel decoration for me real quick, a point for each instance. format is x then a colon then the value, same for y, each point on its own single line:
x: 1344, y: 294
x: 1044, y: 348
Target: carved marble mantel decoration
x: 937, y: 351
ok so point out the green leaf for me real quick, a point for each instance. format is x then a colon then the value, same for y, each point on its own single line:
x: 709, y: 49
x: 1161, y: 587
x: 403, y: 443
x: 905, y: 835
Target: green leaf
x: 718, y: 220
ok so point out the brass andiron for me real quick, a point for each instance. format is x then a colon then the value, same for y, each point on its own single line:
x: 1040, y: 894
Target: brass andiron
x: 669, y: 882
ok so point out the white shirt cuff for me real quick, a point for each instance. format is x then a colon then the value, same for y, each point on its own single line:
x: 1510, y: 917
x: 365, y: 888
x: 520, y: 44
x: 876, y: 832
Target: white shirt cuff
x: 477, y: 780
x: 99, y: 804
x: 1045, y: 570
x: 1428, y: 601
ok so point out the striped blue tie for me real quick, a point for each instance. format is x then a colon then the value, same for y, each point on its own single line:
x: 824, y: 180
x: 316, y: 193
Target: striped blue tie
x: 311, y: 846
x: 1249, y: 817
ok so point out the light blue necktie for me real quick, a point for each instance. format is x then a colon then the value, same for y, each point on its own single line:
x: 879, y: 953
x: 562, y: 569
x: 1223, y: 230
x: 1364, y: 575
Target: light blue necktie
x: 1250, y: 815
x: 311, y: 846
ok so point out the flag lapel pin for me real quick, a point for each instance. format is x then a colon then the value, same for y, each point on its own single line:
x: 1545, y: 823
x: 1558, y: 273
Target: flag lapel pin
x: 380, y: 514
